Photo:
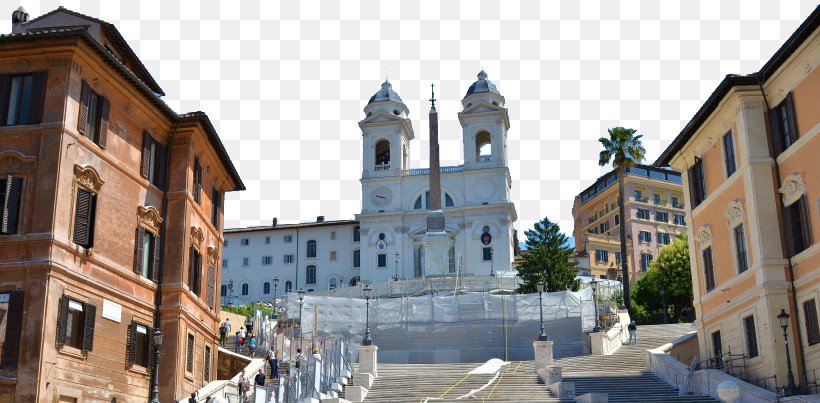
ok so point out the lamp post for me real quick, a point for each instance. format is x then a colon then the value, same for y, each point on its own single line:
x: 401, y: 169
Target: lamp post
x: 663, y: 298
x: 275, y: 286
x: 367, y: 341
x: 594, y: 285
x: 542, y: 335
x: 230, y: 293
x: 492, y: 269
x: 784, y: 323
x: 157, y: 345
x: 397, y: 267
x: 301, y: 293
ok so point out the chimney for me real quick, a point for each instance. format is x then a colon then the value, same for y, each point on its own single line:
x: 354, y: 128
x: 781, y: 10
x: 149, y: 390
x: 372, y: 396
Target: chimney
x: 275, y: 221
x: 18, y: 17
x: 320, y: 218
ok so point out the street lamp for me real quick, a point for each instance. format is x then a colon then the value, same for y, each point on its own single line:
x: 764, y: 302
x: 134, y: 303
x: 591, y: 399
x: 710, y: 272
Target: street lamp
x: 784, y: 323
x: 594, y: 285
x: 542, y: 335
x: 157, y: 345
x: 397, y: 267
x: 367, y: 341
x: 230, y: 293
x: 663, y: 298
x: 275, y: 285
x: 492, y: 269
x: 301, y: 293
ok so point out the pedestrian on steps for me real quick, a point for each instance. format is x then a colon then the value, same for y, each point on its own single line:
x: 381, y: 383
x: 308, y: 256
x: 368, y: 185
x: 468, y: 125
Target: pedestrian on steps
x: 223, y: 330
x: 273, y: 362
x: 633, y: 332
x: 242, y: 385
x: 249, y: 323
x: 259, y: 379
x: 252, y: 346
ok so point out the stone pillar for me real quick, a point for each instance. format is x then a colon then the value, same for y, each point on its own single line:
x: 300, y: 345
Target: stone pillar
x: 543, y: 354
x: 367, y: 360
x: 596, y: 343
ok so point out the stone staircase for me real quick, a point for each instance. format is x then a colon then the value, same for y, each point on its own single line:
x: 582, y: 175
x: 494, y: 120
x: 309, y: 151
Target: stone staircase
x: 622, y: 376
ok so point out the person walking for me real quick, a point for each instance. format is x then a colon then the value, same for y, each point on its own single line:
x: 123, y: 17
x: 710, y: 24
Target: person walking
x: 272, y: 357
x: 633, y: 332
x: 260, y: 377
x: 252, y: 346
x: 299, y: 358
x: 237, y: 347
x: 223, y: 330
x: 228, y: 325
x: 192, y: 399
x: 242, y: 385
x: 249, y: 323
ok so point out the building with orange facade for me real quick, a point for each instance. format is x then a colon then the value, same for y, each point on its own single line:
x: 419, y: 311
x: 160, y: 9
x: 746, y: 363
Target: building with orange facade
x: 654, y: 217
x: 111, y: 220
x: 753, y: 208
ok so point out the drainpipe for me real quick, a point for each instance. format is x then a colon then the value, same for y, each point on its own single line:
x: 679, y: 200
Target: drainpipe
x: 296, y: 271
x: 793, y: 293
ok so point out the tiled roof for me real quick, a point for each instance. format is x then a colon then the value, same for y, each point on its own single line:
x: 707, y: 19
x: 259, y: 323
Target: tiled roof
x: 289, y: 226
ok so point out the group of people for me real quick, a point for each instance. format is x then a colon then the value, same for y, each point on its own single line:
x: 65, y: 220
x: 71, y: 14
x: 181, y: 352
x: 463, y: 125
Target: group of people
x: 243, y: 339
x: 272, y: 357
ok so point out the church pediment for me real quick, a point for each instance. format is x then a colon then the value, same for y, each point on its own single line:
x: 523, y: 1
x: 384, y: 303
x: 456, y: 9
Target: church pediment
x: 482, y: 106
x: 381, y: 117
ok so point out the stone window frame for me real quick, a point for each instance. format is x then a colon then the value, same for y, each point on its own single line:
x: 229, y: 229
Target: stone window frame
x: 793, y: 188
x: 16, y: 164
x: 741, y: 317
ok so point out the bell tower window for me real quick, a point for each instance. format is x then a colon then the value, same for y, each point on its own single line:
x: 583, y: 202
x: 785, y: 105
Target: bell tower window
x: 483, y: 147
x: 382, y: 155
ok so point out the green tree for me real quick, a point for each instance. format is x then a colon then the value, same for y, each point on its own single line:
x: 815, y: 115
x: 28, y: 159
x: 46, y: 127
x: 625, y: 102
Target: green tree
x: 624, y: 149
x: 670, y: 272
x: 548, y: 259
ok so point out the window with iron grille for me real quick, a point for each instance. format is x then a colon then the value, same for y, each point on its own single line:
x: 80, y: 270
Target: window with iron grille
x: 708, y: 270
x: 356, y: 234
x: 751, y: 336
x: 206, y: 370
x: 189, y: 354
x: 812, y: 327
x: 332, y: 255
x: 311, y: 249
x: 357, y: 258
x: 310, y: 275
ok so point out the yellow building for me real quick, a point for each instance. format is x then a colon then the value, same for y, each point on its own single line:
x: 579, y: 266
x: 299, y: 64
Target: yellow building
x: 750, y: 157
x: 654, y: 216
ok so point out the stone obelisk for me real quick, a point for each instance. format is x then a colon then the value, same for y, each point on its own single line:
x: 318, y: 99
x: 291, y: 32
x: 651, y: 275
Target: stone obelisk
x: 436, y: 241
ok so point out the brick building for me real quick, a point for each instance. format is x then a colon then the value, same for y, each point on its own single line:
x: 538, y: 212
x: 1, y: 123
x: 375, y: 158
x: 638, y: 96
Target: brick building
x: 753, y: 206
x: 111, y: 202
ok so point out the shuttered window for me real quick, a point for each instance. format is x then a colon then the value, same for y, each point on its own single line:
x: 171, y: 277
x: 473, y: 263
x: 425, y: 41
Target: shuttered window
x: 147, y: 253
x: 9, y: 357
x: 75, y: 324
x: 206, y: 370
x: 783, y: 125
x: 195, y: 271
x: 708, y: 270
x: 84, y: 218
x: 189, y: 354
x: 729, y: 154
x: 812, y: 327
x: 21, y: 98
x: 11, y: 191
x: 152, y: 166
x: 216, y: 206
x: 209, y: 296
x: 139, y: 345
x: 197, y: 180
x: 740, y: 249
x: 797, y: 228
x: 751, y: 336
x: 93, y: 119
x: 697, y: 183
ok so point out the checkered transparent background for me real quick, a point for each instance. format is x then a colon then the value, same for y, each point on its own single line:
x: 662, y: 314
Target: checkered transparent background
x: 285, y: 81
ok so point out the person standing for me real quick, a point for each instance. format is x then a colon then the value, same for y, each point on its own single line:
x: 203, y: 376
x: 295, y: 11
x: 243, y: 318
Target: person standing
x: 223, y: 330
x: 228, y: 325
x: 237, y: 347
x: 273, y: 362
x: 249, y: 323
x: 252, y: 346
x: 242, y: 385
x: 633, y: 332
x: 259, y: 379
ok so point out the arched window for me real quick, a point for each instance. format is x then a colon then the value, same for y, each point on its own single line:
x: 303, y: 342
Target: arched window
x: 266, y: 288
x: 310, y: 275
x: 288, y: 286
x: 425, y: 204
x: 354, y: 281
x: 357, y: 259
x: 382, y: 155
x: 448, y: 201
x: 311, y: 248
x: 245, y: 289
x: 483, y: 147
x: 357, y: 234
x: 223, y: 290
x: 332, y: 283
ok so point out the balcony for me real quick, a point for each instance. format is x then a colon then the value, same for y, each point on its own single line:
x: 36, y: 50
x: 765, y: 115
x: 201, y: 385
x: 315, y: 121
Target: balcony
x: 383, y: 167
x: 484, y: 158
x: 426, y: 171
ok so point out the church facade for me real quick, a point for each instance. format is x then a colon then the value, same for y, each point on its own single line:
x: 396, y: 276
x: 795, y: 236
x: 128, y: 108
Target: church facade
x: 385, y: 241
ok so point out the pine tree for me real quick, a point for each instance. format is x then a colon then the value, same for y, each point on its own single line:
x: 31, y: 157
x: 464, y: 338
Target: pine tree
x: 548, y: 258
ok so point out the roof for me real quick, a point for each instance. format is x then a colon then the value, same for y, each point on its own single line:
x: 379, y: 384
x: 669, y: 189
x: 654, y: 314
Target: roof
x: 730, y: 81
x: 386, y: 93
x: 482, y: 85
x: 81, y: 33
x: 607, y: 179
x: 121, y: 45
x: 289, y: 226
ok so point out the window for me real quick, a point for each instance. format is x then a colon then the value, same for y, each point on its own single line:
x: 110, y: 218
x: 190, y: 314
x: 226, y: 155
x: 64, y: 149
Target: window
x: 288, y: 238
x: 206, y: 370
x: 812, y: 327
x: 245, y: 289
x: 643, y: 213
x: 418, y: 205
x: 311, y: 249
x: 288, y: 286
x: 451, y: 258
x: 356, y: 234
x: 223, y: 290
x: 153, y: 160
x: 139, y: 345
x: 197, y: 181
x: 664, y: 238
x: 382, y: 155
x: 310, y: 274
x: 797, y: 227
x: 246, y: 262
x: 729, y: 154
x: 357, y: 259
x: 382, y: 260
x: 639, y: 196
x: 645, y: 236
x: 13, y: 307
x: 75, y: 324
x: 618, y: 258
x: 487, y: 254
x: 601, y: 256
x: 656, y: 198
x: 189, y: 354
x: 708, y: 270
x: 448, y: 201
x: 483, y: 147
x: 679, y: 219
x: 195, y: 271
x: 605, y: 226
x: 332, y: 255
x: 661, y: 216
x: 267, y: 260
x: 11, y: 190
x: 288, y: 258
x: 617, y: 219
x: 84, y: 218
x: 216, y: 206
x: 740, y: 249
x: 93, y: 117
x: 24, y: 99
x: 147, y: 254
x: 266, y: 288
x: 646, y: 259
x: 332, y: 234
x: 697, y: 183
x: 676, y: 202
x: 331, y: 285
x: 783, y: 125
x: 267, y: 240
x: 224, y: 263
x: 717, y: 346
x: 751, y: 336
x: 244, y: 241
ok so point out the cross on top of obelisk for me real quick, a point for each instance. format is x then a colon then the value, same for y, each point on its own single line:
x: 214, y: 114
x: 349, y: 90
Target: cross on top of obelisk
x: 433, y: 97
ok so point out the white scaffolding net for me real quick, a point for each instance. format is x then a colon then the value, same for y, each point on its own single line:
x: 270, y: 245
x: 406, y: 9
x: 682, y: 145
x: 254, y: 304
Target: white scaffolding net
x: 454, y: 328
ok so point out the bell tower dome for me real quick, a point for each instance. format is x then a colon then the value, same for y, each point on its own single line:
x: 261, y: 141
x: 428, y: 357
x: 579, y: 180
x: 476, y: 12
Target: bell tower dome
x: 484, y: 123
x: 386, y: 134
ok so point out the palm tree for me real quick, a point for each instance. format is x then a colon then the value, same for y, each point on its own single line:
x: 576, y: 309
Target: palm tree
x: 624, y: 149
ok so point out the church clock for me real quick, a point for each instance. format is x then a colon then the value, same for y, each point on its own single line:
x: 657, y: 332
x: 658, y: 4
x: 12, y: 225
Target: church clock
x: 381, y: 196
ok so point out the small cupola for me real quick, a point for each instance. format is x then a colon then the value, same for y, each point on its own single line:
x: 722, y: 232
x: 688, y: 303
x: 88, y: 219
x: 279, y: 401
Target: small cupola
x: 387, y: 100
x: 19, y: 16
x: 482, y: 90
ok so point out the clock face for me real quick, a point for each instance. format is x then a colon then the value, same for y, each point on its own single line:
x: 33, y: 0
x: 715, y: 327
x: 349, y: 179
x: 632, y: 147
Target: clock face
x: 381, y: 245
x: 381, y: 196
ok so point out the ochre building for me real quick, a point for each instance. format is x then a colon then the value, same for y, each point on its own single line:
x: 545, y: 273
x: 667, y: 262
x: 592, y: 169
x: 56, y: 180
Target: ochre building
x: 111, y: 220
x: 750, y: 157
